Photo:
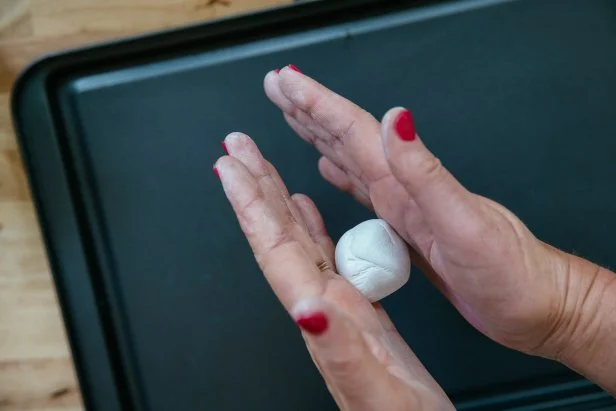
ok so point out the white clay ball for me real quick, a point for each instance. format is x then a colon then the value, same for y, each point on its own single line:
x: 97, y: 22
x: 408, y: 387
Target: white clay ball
x: 373, y: 258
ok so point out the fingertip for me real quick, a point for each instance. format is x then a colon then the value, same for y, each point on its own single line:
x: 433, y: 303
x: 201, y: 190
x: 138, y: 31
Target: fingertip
x: 408, y: 158
x: 397, y: 126
x: 304, y: 206
x: 301, y: 199
x: 270, y: 80
x: 310, y: 214
x: 243, y: 149
x: 296, y: 87
x: 307, y: 306
x: 391, y: 114
x: 234, y: 136
x: 342, y: 352
x: 314, y: 316
x: 299, y: 196
x: 223, y: 164
x: 219, y: 163
x: 273, y: 90
x: 219, y: 168
x: 333, y: 174
x: 291, y: 68
x: 235, y: 143
x: 442, y: 199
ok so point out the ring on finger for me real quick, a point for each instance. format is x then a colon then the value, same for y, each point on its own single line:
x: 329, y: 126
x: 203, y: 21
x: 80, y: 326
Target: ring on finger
x: 323, y: 266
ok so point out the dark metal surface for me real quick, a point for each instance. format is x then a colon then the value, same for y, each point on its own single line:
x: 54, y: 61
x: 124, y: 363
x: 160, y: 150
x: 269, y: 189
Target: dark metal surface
x: 165, y: 306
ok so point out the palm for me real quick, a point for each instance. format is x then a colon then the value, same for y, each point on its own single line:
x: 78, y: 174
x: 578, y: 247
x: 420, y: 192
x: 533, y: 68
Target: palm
x: 465, y: 253
x: 288, y: 232
x: 486, y: 294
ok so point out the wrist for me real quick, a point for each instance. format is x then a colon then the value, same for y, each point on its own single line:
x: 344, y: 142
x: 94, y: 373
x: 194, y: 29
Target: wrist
x: 583, y: 332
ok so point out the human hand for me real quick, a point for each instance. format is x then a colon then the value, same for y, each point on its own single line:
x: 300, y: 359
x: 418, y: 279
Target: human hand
x: 364, y: 361
x: 504, y: 281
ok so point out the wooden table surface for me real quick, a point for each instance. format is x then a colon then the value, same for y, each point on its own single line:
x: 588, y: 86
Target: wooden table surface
x: 36, y: 371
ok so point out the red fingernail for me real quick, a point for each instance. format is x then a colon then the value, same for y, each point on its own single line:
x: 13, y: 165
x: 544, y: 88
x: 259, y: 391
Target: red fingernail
x: 404, y: 126
x: 294, y: 68
x: 277, y: 71
x: 216, y: 172
x: 224, y: 147
x: 314, y: 323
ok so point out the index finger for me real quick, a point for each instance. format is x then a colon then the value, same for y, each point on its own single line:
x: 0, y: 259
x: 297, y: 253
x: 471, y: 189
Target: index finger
x: 277, y: 240
x: 353, y: 129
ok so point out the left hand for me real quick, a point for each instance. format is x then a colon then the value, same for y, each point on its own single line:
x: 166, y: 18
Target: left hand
x: 365, y: 362
x: 511, y: 286
x: 501, y: 278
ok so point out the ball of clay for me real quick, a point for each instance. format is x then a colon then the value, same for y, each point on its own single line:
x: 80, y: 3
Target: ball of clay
x: 373, y: 258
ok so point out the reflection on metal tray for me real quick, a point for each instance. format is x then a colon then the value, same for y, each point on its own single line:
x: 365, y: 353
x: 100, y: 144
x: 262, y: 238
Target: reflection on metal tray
x: 164, y: 304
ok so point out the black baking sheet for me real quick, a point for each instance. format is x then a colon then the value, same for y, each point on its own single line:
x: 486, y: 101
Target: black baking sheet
x: 165, y: 306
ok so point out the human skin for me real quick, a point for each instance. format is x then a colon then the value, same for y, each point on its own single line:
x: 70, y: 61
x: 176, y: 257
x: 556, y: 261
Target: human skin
x: 511, y: 286
x: 364, y: 361
x: 508, y: 284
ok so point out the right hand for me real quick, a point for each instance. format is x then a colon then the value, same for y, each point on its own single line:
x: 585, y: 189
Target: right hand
x: 365, y: 362
x: 504, y: 281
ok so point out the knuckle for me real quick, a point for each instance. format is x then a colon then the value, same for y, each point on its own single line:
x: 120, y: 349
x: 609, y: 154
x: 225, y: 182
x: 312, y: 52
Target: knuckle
x: 269, y: 244
x: 248, y: 206
x: 314, y: 105
x: 279, y: 238
x: 346, y: 131
x: 429, y: 167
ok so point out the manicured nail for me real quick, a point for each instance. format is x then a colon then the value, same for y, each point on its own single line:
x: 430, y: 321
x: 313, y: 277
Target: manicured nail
x: 404, y: 126
x: 216, y: 172
x: 224, y: 147
x: 315, y: 323
x: 277, y: 71
x: 294, y: 68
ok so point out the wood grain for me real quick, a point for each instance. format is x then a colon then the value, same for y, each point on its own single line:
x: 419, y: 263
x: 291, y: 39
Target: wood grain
x: 36, y: 371
x: 15, y: 19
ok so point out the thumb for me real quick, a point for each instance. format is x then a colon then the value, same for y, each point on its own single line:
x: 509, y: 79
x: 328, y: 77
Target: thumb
x: 354, y: 376
x: 444, y: 202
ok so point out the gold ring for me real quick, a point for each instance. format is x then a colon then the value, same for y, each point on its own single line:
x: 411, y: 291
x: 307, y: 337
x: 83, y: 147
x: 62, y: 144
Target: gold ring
x: 323, y: 266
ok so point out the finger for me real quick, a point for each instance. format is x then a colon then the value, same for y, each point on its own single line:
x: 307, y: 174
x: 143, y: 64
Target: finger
x: 243, y: 148
x: 303, y: 128
x: 300, y: 130
x: 329, y: 165
x: 271, y: 85
x: 339, y: 179
x: 284, y: 192
x: 320, y: 144
x: 315, y: 225
x: 357, y: 379
x: 445, y: 204
x: 345, y: 123
x: 299, y: 121
x: 278, y: 242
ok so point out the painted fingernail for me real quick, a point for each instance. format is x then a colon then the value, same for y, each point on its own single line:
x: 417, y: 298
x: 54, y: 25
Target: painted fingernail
x: 277, y: 71
x: 404, y: 126
x: 294, y: 68
x: 216, y: 172
x: 315, y: 323
x: 224, y: 147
